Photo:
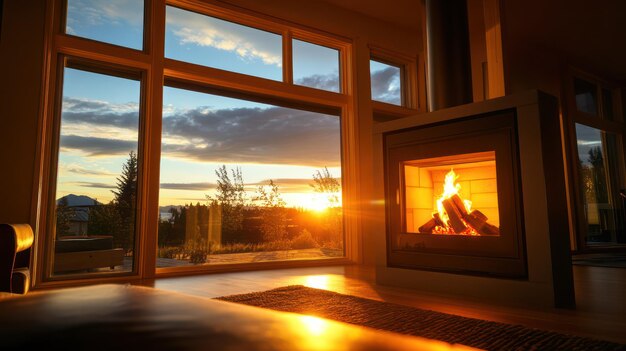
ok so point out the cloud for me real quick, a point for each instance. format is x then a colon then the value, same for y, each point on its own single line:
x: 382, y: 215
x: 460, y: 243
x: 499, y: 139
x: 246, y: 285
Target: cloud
x: 386, y: 85
x: 272, y: 135
x: 102, y: 113
x: 188, y: 186
x: 95, y: 185
x: 89, y: 13
x: 78, y: 169
x: 328, y: 82
x: 254, y: 135
x: 97, y: 146
x: 248, y: 43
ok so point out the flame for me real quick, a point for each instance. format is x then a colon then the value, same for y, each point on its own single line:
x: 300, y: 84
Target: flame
x: 451, y: 188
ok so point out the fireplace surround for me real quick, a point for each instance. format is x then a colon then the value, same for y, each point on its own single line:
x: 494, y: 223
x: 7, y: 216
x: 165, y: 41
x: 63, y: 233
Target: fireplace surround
x: 424, y: 224
x: 511, y: 244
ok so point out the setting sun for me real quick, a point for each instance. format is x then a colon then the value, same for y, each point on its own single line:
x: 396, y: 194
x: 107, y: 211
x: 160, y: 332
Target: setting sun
x: 318, y: 202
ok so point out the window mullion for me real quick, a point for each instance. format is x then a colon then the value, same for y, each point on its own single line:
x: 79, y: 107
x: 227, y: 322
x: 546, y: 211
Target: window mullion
x: 287, y: 58
x: 153, y: 104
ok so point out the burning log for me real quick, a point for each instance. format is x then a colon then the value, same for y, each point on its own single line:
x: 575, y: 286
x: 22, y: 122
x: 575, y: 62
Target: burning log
x: 458, y: 220
x: 478, y: 221
x: 438, y: 220
x: 454, y: 215
x: 458, y: 203
x: 428, y: 227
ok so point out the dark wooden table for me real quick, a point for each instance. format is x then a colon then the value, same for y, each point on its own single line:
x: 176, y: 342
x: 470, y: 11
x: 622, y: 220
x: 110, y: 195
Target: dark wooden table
x: 115, y: 317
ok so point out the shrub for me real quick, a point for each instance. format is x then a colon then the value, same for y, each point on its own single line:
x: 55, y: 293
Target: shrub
x: 169, y: 252
x: 304, y: 240
x: 197, y: 256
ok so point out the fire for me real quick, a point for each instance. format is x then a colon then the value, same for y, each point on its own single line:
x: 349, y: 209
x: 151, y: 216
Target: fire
x: 451, y: 188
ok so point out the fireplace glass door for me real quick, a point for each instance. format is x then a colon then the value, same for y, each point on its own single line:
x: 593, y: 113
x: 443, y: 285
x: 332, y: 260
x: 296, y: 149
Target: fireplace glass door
x: 455, y: 195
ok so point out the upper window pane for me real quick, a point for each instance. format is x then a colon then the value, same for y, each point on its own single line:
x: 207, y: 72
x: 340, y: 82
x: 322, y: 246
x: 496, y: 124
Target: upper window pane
x: 208, y: 41
x: 586, y: 96
x: 118, y: 22
x: 315, y: 66
x: 386, y: 83
x: 96, y: 192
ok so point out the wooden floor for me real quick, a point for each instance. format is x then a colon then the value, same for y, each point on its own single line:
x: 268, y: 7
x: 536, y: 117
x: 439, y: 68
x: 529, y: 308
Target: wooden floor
x: 600, y: 296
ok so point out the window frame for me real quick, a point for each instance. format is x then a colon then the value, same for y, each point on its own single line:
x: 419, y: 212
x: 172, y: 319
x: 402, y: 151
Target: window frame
x: 412, y: 77
x: 156, y: 71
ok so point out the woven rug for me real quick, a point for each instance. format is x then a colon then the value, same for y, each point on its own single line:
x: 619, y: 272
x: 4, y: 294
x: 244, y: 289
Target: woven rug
x: 413, y: 321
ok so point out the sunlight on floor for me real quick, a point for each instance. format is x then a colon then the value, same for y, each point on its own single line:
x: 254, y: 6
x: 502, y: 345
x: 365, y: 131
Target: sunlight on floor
x: 317, y: 282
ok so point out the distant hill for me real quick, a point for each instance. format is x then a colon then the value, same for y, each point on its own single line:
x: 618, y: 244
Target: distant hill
x: 78, y: 200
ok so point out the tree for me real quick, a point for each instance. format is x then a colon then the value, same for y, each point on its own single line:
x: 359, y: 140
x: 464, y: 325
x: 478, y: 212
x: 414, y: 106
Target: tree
x: 331, y: 223
x: 598, y: 174
x: 125, y: 202
x: 274, y: 223
x: 325, y: 183
x: 63, y: 214
x: 231, y: 196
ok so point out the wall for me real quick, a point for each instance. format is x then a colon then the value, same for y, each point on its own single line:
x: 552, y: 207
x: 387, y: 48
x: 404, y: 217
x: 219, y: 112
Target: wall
x: 21, y: 58
x: 22, y: 44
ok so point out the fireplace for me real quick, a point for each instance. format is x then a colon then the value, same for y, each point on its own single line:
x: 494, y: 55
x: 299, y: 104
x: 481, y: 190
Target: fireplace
x: 452, y: 194
x: 474, y: 202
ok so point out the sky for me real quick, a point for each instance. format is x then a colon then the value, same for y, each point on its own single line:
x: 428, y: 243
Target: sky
x: 201, y: 132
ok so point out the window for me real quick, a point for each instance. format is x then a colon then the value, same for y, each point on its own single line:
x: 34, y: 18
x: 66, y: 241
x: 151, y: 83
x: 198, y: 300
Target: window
x: 209, y: 41
x: 386, y: 83
x: 160, y: 161
x: 315, y: 66
x: 599, y: 163
x: 114, y: 22
x: 97, y: 171
x: 247, y: 182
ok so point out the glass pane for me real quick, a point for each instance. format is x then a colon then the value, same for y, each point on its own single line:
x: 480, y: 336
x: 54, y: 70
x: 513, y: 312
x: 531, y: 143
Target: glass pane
x: 247, y: 182
x: 597, y: 153
x: 315, y: 66
x: 211, y: 42
x: 97, y: 174
x: 607, y: 104
x: 386, y: 83
x: 586, y: 96
x: 118, y: 22
x: 452, y: 195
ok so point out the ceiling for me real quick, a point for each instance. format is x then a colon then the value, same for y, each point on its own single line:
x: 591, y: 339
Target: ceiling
x: 588, y: 32
x: 405, y: 13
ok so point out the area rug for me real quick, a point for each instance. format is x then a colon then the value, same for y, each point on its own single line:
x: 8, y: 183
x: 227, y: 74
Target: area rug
x: 413, y: 321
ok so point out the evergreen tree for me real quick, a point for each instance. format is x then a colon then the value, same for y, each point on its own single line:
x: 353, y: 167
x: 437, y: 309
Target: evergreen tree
x: 63, y: 214
x: 125, y: 202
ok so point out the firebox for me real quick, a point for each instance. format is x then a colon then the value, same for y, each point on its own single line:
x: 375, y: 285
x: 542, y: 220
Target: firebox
x: 453, y: 197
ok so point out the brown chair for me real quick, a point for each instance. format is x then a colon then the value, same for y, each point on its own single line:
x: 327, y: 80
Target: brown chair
x: 15, y: 240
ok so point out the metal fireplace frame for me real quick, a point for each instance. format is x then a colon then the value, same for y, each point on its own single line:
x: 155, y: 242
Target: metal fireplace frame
x: 502, y: 255
x: 547, y: 279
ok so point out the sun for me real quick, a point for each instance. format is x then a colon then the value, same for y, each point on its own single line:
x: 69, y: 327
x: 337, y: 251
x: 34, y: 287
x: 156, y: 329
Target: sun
x: 317, y: 203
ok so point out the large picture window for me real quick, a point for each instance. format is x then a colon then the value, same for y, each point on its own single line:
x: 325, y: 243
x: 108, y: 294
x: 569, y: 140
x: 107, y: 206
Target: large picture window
x: 247, y: 182
x: 180, y: 138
